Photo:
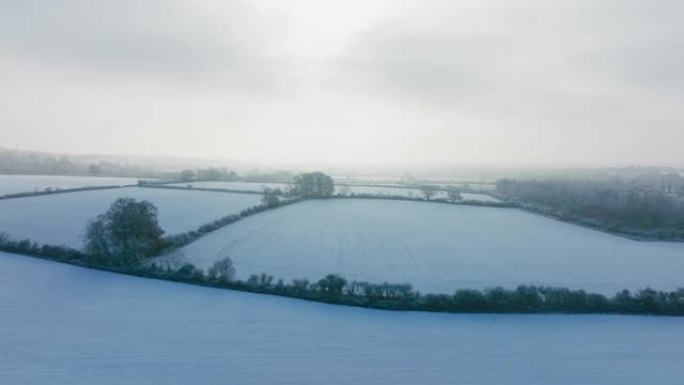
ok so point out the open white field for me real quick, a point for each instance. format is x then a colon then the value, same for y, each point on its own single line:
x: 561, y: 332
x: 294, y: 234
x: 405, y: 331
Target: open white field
x: 61, y: 219
x: 479, y: 197
x: 243, y: 186
x: 437, y: 248
x: 64, y: 325
x: 12, y: 184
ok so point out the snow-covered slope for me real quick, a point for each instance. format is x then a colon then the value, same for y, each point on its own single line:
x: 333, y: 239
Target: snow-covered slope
x: 63, y: 325
x: 437, y: 248
x: 61, y: 219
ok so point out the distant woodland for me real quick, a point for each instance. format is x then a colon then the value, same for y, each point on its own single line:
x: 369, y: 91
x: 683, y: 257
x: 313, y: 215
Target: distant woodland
x: 36, y: 163
x: 647, y: 206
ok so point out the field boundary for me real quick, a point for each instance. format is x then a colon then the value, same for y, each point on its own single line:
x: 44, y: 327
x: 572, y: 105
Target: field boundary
x: 63, y: 191
x: 177, y: 241
x: 333, y: 289
x: 206, y: 189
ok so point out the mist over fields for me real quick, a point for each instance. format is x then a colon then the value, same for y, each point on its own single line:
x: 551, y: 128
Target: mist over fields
x: 344, y: 192
x: 355, y: 83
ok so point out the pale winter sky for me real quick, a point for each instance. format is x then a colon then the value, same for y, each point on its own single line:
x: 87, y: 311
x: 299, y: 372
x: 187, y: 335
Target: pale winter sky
x: 582, y: 82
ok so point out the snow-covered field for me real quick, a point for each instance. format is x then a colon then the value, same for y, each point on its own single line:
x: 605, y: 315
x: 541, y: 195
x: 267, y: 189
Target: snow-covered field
x: 12, y: 184
x: 479, y: 197
x: 64, y: 325
x: 61, y: 219
x: 437, y: 248
x: 243, y: 186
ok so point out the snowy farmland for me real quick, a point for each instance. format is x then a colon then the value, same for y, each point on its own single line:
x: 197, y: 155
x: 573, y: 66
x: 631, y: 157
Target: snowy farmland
x: 64, y: 325
x: 61, y: 219
x: 12, y: 184
x: 437, y: 248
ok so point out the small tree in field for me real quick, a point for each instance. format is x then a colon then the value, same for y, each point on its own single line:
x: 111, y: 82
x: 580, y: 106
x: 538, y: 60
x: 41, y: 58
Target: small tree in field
x: 126, y: 234
x: 428, y: 191
x: 187, y: 175
x: 222, y: 270
x: 270, y: 197
x: 314, y: 184
x: 331, y: 285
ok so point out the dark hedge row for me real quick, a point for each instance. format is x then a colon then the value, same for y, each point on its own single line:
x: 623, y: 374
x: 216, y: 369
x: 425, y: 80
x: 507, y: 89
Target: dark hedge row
x: 50, y: 191
x: 391, y: 296
x: 189, y: 186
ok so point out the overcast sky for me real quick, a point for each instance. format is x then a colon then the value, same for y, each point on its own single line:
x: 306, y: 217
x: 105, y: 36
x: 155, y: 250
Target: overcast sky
x: 582, y: 82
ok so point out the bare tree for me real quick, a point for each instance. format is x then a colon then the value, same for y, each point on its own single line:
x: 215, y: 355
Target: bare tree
x: 222, y: 270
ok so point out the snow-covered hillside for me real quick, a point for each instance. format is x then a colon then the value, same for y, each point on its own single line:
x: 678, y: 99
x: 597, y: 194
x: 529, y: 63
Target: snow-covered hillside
x: 61, y: 219
x: 63, y: 325
x: 437, y: 248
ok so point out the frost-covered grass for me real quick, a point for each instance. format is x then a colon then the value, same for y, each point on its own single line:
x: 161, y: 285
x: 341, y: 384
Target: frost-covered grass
x: 243, y: 186
x: 61, y: 219
x: 437, y: 248
x: 12, y: 184
x: 64, y: 325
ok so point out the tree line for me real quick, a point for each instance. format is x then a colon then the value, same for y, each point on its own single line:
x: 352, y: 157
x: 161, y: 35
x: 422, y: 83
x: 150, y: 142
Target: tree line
x: 126, y: 238
x: 388, y: 296
x: 646, y: 207
x: 36, y: 163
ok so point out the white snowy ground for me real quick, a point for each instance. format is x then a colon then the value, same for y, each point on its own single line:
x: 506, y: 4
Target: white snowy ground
x: 479, y: 197
x: 64, y: 325
x: 61, y: 219
x: 11, y: 184
x: 437, y: 248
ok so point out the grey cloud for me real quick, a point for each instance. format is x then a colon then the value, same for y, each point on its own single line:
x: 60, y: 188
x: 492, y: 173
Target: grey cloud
x: 419, y: 64
x: 156, y: 39
x: 527, y: 49
x: 521, y: 80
